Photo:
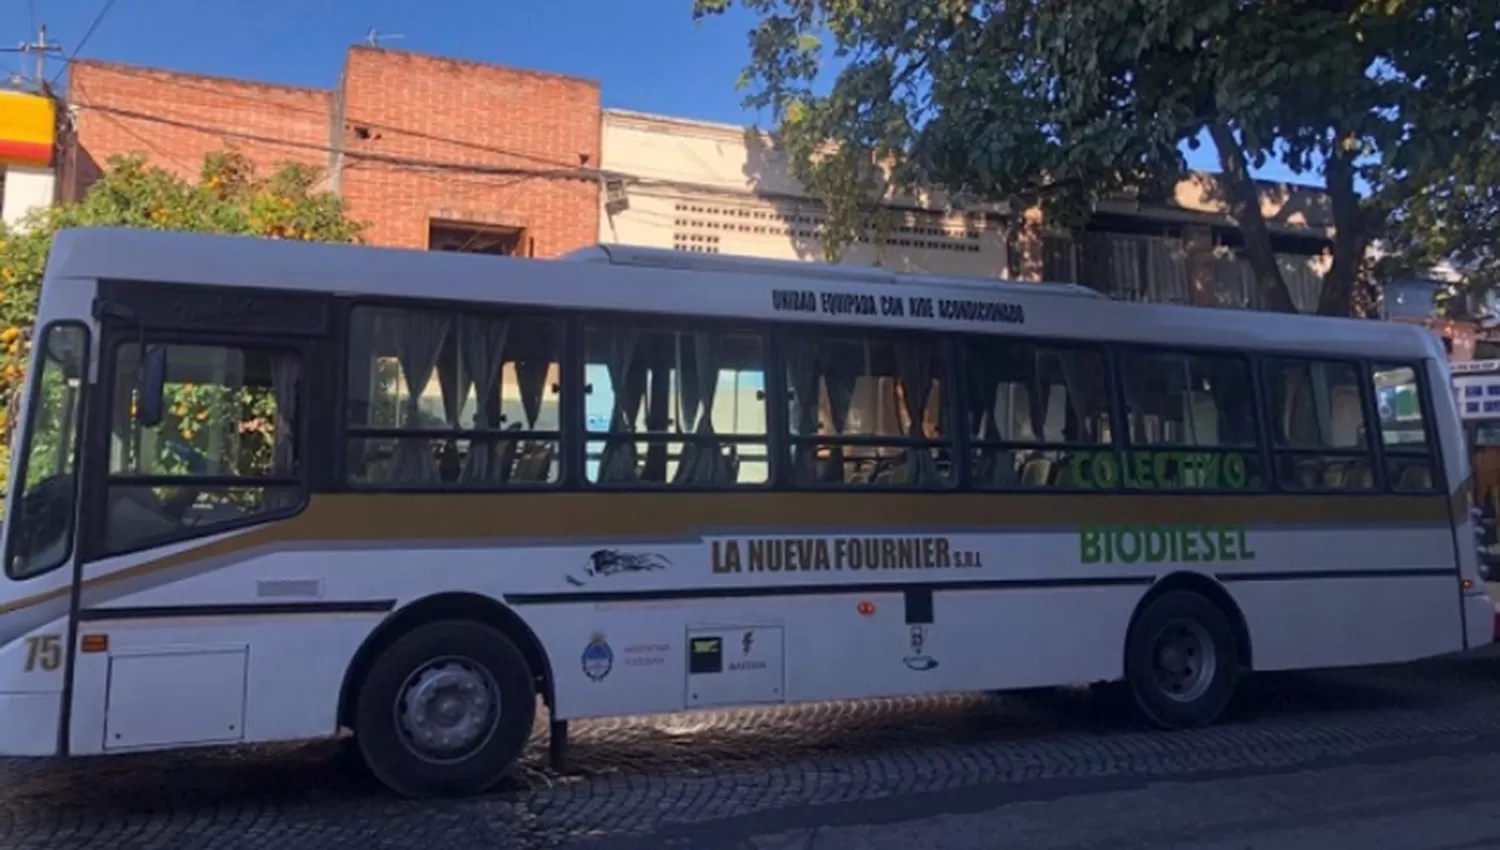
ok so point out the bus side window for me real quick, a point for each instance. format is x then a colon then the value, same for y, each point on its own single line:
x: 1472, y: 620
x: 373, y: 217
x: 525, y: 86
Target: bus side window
x: 1409, y: 465
x: 41, y: 516
x: 1318, y: 427
x: 867, y: 410
x: 1191, y: 419
x: 669, y: 407
x: 225, y: 452
x: 1039, y: 415
x: 447, y: 400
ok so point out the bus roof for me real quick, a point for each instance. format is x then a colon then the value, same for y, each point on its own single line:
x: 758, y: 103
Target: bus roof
x: 613, y: 278
x: 664, y: 258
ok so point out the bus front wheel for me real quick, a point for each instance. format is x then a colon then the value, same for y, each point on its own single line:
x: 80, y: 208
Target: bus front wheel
x: 1181, y: 662
x: 445, y: 710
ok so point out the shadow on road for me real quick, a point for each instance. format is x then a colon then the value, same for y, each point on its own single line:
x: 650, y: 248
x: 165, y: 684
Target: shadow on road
x: 701, y: 743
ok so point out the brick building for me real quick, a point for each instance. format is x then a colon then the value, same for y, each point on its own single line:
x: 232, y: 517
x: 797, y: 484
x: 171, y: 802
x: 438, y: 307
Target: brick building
x: 433, y: 153
x: 451, y: 155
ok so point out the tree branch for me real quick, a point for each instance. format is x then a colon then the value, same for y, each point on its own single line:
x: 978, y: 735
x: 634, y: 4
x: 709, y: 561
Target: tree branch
x: 1244, y: 206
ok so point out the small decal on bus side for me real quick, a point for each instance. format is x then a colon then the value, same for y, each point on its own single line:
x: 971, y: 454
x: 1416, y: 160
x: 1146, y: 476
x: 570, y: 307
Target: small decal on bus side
x: 598, y: 659
x: 43, y: 652
x: 919, y: 660
x: 607, y: 562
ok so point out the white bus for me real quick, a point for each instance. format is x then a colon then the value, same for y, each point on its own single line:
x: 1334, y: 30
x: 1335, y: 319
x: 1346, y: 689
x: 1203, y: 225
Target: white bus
x: 266, y: 491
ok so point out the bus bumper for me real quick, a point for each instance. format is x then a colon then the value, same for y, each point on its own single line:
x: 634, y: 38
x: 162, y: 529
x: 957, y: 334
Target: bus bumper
x: 28, y: 724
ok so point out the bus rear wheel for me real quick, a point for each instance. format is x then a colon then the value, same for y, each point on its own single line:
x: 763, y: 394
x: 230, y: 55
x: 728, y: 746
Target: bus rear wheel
x: 445, y: 710
x: 1181, y: 662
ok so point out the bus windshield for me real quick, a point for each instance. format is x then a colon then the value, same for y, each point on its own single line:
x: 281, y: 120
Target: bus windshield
x: 42, y: 511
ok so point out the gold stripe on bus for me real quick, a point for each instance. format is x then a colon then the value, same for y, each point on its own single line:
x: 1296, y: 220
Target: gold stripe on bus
x: 559, y: 517
x: 562, y: 516
x: 35, y: 599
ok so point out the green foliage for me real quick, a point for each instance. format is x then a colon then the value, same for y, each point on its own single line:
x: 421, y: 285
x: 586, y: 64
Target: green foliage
x: 1064, y: 103
x: 228, y: 197
x: 1454, y: 217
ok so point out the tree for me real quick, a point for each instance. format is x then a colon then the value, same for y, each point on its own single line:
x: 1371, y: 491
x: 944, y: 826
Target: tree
x: 1453, y: 217
x: 1062, y: 103
x: 229, y: 197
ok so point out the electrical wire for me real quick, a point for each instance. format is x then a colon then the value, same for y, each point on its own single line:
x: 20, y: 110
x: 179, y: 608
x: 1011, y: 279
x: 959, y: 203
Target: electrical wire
x: 595, y: 174
x: 588, y: 174
x: 356, y: 157
x: 183, y: 81
x: 89, y: 33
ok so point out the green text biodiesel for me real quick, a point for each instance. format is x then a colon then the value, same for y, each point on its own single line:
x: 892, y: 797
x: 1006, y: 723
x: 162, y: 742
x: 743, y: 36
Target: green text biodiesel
x: 1156, y: 544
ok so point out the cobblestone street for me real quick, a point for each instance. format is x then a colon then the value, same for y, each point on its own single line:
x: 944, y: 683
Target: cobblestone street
x: 679, y: 779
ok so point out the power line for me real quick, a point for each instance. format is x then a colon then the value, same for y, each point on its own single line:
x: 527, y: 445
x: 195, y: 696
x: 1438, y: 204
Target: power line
x: 179, y: 80
x: 456, y: 180
x: 586, y: 174
x: 592, y: 174
x: 597, y: 175
x: 89, y: 33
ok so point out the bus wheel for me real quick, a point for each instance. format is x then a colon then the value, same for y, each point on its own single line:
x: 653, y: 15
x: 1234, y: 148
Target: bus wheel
x: 445, y: 710
x: 1181, y: 663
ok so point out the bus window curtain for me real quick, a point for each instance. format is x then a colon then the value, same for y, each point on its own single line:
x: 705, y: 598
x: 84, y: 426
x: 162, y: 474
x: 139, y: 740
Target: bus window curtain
x: 840, y: 386
x: 915, y: 365
x: 483, y: 344
x: 286, y: 373
x: 618, y: 462
x: 419, y: 342
x: 802, y: 377
x: 703, y: 460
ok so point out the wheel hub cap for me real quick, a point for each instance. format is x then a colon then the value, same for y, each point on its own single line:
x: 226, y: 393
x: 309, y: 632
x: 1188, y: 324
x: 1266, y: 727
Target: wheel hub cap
x: 1185, y: 661
x: 447, y: 709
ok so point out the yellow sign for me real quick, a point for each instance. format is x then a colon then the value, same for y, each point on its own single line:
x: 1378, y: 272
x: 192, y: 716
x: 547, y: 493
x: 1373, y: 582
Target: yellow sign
x: 814, y: 554
x: 28, y: 129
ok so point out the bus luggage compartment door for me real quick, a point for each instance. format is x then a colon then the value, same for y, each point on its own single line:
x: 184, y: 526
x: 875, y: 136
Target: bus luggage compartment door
x: 165, y: 697
x: 734, y: 665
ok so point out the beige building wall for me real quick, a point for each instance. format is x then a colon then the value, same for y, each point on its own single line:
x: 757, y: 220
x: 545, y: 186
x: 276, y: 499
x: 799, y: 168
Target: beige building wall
x: 715, y: 188
x: 721, y: 189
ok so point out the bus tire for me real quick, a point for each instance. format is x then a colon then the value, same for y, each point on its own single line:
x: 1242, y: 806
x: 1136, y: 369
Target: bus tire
x: 445, y: 710
x: 1181, y: 662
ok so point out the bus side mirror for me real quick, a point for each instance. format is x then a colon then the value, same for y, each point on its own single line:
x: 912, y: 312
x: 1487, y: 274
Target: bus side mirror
x: 149, y: 405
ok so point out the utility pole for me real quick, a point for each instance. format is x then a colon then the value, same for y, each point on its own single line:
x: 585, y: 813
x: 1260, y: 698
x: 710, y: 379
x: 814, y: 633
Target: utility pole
x: 41, y: 49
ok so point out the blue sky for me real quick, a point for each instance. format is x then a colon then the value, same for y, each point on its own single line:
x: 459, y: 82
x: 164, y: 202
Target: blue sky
x: 647, y: 54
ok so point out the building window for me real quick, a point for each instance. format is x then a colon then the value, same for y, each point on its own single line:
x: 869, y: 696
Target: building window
x: 475, y: 238
x: 448, y: 400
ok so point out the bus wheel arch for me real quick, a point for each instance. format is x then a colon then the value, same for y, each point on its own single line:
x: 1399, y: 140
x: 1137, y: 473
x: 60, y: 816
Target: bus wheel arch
x: 1184, y: 650
x: 430, y: 609
x: 1214, y: 592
